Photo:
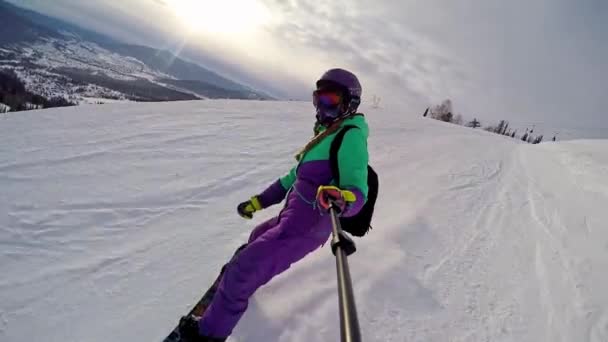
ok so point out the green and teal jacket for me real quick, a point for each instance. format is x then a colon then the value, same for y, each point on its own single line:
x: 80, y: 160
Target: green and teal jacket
x: 313, y: 169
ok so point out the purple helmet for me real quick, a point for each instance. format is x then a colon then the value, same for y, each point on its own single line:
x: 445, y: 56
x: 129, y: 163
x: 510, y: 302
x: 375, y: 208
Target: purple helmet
x: 347, y: 83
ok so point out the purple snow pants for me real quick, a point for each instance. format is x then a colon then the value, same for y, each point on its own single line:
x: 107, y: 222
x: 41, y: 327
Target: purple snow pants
x: 273, y: 246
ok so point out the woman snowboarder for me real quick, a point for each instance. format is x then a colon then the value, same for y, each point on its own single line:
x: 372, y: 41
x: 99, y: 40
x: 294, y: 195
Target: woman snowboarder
x: 303, y: 224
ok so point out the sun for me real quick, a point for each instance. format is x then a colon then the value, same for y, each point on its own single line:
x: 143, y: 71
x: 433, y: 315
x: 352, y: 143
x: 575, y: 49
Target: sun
x: 220, y: 16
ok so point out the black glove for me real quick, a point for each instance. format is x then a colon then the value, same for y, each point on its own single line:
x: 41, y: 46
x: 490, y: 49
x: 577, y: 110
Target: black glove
x: 247, y: 208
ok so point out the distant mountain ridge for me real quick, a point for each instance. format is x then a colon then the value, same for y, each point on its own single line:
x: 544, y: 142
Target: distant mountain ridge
x: 53, y: 25
x: 54, y: 58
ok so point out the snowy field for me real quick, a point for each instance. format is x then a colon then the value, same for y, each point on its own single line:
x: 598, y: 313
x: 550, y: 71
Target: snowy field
x: 115, y: 218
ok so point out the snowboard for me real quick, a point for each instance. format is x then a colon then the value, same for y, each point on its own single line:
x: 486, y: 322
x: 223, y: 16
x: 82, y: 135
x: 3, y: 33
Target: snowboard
x: 199, y: 309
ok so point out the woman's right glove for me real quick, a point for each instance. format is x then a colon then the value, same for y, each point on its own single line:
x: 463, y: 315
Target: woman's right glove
x: 247, y: 208
x: 326, y: 194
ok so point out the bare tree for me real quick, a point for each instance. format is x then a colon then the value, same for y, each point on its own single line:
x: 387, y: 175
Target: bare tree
x: 457, y: 119
x: 375, y: 102
x: 442, y: 112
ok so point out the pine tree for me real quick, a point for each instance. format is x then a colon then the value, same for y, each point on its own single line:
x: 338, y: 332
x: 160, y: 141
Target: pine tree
x: 538, y: 139
x: 474, y: 124
x: 504, y: 131
x: 500, y: 127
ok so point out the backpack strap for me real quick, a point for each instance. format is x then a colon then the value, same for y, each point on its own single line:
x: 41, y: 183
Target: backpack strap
x: 333, y: 152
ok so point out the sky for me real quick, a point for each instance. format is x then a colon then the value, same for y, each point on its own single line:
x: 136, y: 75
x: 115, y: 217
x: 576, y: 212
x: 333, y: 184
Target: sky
x: 531, y: 61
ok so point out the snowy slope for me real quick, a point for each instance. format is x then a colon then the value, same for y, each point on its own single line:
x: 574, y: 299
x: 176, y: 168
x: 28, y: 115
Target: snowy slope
x: 114, y: 218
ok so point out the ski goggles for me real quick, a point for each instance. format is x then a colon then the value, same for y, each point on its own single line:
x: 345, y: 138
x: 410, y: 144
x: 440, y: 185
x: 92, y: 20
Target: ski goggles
x: 326, y: 98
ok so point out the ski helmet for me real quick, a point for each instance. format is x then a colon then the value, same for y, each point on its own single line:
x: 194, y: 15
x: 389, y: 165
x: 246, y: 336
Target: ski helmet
x: 350, y: 89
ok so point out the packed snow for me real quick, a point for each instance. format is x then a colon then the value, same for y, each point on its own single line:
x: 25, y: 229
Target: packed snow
x: 114, y: 219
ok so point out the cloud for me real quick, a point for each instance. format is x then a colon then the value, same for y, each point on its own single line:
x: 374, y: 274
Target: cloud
x: 532, y: 60
x: 539, y: 60
x: 389, y: 56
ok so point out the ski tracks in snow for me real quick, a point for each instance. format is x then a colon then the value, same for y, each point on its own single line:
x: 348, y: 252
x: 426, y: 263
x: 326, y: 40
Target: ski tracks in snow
x: 566, y: 203
x: 127, y: 212
x: 107, y: 211
x: 519, y: 251
x: 464, y: 278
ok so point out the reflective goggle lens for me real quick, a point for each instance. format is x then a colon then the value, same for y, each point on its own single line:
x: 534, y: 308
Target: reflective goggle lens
x: 327, y: 98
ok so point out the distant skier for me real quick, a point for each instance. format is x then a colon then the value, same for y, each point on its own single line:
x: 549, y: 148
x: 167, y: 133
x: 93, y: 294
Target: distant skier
x: 303, y: 224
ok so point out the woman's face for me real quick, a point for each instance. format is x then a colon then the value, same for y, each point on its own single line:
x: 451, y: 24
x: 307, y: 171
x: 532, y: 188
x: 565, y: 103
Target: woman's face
x: 328, y: 102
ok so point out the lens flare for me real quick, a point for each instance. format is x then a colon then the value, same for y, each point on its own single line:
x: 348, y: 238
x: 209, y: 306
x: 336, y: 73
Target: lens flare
x: 220, y: 17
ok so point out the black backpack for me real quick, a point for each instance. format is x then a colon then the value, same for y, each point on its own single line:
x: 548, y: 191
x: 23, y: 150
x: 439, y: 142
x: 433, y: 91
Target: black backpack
x: 360, y: 224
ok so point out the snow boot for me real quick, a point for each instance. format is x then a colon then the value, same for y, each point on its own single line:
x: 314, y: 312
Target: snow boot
x: 188, y: 330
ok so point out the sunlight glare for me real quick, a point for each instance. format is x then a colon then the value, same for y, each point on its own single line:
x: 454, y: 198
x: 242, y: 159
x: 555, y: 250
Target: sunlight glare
x: 224, y: 16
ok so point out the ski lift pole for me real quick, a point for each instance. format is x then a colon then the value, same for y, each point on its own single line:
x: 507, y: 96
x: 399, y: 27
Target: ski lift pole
x: 342, y: 246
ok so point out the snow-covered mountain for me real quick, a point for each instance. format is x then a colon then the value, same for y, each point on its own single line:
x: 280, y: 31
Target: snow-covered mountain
x: 54, y: 58
x: 114, y: 219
